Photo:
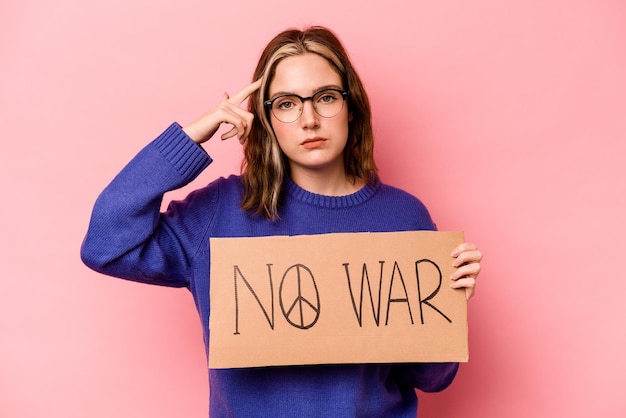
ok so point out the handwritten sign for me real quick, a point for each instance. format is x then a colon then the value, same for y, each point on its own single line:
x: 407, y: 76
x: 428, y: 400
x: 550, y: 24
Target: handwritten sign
x: 336, y: 298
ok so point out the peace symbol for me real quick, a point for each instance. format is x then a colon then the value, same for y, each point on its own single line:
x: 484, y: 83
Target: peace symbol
x: 299, y: 312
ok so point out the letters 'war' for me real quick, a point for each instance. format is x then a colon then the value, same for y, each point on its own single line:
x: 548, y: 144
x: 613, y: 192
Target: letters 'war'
x: 396, y: 278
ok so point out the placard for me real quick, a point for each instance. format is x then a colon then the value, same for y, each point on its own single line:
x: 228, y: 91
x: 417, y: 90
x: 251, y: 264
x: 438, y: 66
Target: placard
x: 336, y: 298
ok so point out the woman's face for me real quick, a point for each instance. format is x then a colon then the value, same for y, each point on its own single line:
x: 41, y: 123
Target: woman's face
x: 311, y: 142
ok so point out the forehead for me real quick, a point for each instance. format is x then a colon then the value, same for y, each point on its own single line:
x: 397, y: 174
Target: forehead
x: 303, y: 74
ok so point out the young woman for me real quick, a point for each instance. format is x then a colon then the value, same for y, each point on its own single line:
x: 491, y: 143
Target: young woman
x: 308, y: 169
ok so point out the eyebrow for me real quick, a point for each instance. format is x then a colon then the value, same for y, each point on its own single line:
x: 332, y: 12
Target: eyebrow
x: 317, y: 90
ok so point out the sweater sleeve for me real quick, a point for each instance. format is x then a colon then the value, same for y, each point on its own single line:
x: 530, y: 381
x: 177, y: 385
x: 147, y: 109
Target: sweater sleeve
x: 128, y: 237
x: 427, y: 377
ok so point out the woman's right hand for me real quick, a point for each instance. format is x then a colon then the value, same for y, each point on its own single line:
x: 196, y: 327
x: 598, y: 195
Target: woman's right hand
x: 227, y: 111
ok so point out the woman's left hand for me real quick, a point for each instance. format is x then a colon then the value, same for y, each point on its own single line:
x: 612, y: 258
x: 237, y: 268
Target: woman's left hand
x: 467, y: 259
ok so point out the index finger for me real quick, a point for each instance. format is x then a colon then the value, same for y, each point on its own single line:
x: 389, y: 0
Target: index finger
x: 245, y: 92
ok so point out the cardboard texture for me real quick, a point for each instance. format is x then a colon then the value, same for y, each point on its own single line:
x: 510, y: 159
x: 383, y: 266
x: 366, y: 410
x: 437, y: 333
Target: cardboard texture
x: 336, y: 298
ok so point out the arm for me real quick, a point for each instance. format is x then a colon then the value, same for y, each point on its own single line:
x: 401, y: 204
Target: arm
x: 435, y: 377
x: 127, y: 235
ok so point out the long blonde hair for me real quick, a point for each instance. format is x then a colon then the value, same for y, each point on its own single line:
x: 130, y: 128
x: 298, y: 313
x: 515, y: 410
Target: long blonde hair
x: 265, y: 166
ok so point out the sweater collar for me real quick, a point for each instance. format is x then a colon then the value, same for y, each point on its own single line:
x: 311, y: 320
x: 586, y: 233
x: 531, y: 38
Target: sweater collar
x: 295, y: 192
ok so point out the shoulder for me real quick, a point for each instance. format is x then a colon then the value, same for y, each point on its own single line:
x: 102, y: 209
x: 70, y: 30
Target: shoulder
x: 207, y: 200
x: 403, y: 205
x: 221, y: 188
x: 395, y: 194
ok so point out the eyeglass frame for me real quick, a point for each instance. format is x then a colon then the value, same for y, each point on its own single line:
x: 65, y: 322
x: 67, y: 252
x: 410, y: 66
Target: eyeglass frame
x: 269, y: 103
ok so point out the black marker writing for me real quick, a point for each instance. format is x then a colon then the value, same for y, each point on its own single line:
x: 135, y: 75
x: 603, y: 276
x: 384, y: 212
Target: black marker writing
x: 401, y: 294
x: 426, y: 300
x: 303, y: 309
x: 237, y: 273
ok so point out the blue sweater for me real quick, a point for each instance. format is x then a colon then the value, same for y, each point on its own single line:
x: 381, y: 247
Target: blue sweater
x: 129, y: 238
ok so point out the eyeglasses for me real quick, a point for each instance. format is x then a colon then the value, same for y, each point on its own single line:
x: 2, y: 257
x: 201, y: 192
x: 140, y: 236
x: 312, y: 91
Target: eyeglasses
x: 287, y: 108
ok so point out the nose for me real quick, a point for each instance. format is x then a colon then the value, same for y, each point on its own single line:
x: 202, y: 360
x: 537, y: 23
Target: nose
x: 309, y: 117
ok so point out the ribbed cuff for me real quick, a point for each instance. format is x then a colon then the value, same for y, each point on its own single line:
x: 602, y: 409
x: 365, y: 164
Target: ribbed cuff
x: 187, y: 157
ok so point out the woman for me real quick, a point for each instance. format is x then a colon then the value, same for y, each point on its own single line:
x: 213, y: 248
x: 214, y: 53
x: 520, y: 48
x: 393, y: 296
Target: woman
x: 308, y: 169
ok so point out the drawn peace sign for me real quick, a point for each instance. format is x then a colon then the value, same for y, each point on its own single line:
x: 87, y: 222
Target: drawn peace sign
x: 301, y: 309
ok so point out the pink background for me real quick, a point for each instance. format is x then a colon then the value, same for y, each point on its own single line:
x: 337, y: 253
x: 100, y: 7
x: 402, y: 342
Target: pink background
x: 507, y: 118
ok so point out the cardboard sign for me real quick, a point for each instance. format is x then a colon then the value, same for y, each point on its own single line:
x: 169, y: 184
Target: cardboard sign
x: 336, y: 298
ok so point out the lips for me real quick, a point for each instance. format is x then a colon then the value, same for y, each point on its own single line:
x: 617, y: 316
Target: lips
x: 313, y: 142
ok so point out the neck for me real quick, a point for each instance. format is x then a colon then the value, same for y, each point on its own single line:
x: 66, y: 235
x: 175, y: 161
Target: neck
x: 325, y: 182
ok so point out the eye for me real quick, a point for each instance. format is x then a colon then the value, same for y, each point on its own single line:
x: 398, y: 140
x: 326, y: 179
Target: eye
x: 285, y: 103
x: 327, y: 97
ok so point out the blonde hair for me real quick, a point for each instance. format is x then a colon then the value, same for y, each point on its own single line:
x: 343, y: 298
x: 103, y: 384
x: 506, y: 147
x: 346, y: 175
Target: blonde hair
x: 265, y: 166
